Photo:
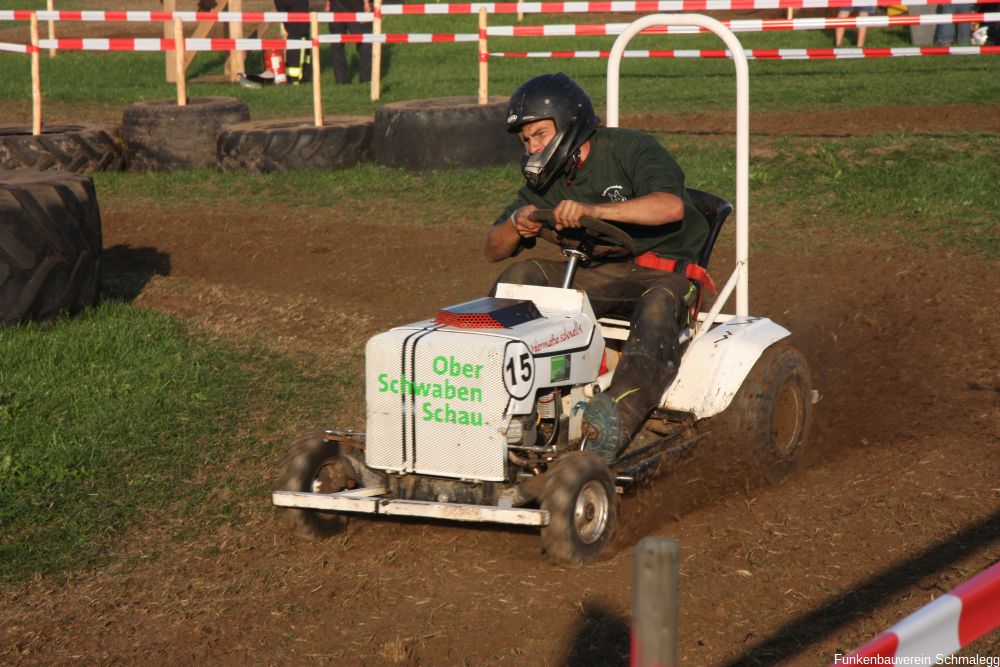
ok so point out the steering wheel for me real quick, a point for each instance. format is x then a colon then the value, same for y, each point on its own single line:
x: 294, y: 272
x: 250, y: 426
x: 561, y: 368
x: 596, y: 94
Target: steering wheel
x: 584, y: 239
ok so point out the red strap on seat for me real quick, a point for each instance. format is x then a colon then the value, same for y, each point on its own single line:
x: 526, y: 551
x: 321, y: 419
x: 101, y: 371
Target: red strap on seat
x: 651, y: 260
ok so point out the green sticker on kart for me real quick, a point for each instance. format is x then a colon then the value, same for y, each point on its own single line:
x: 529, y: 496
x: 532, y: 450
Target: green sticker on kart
x: 560, y: 368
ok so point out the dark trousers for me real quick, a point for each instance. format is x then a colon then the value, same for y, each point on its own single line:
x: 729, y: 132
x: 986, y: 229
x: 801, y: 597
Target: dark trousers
x: 653, y: 301
x: 298, y: 62
x: 338, y: 54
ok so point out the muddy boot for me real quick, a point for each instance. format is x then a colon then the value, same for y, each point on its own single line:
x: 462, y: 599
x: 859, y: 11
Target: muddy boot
x: 607, y: 425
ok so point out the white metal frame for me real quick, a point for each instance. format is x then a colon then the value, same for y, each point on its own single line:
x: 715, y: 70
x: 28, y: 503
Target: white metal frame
x: 371, y: 501
x: 739, y: 280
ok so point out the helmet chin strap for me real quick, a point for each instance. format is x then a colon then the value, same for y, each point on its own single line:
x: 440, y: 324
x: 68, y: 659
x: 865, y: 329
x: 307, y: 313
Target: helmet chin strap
x: 572, y: 165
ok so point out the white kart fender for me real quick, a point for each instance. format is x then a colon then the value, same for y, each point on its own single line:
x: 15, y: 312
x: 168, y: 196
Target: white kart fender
x: 714, y: 366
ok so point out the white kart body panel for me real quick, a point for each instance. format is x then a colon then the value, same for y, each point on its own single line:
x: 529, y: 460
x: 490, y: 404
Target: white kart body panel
x: 715, y: 365
x: 440, y: 398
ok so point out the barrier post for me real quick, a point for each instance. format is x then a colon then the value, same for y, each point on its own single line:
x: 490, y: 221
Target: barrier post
x: 179, y: 62
x: 237, y: 59
x: 171, y: 63
x: 317, y: 96
x: 52, y: 28
x: 484, y: 56
x: 377, y: 52
x: 655, y: 602
x: 36, y: 80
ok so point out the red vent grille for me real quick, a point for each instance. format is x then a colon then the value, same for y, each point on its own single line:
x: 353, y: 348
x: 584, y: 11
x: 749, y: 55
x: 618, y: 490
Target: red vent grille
x: 467, y: 320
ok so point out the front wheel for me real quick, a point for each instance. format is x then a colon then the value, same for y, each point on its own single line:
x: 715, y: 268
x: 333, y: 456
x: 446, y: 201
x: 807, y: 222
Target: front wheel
x: 583, y: 508
x: 314, y: 464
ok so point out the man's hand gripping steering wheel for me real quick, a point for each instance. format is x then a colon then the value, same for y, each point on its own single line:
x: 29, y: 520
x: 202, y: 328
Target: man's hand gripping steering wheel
x: 578, y: 233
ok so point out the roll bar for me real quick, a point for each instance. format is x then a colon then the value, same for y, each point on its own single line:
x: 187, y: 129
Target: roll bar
x: 739, y: 280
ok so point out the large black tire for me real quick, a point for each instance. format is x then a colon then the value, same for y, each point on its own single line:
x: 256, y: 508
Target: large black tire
x: 50, y: 244
x: 447, y: 132
x: 159, y: 135
x: 583, y: 509
x: 315, y: 464
x: 288, y: 145
x: 773, y: 411
x: 83, y: 149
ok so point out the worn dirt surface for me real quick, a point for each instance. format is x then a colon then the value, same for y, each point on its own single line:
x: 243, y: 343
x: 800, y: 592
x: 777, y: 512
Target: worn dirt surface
x: 897, y: 499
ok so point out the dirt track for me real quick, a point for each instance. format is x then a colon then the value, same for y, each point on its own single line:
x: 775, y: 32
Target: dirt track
x: 897, y: 500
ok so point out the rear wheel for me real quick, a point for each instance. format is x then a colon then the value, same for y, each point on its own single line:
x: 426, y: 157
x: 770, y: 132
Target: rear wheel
x: 775, y: 411
x: 583, y: 508
x: 315, y: 465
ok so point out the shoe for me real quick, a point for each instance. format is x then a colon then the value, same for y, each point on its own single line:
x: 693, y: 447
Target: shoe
x: 602, y: 427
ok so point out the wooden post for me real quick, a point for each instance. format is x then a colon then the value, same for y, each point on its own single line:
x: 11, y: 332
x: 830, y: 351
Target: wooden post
x: 36, y: 80
x: 377, y: 53
x: 52, y: 28
x: 179, y: 62
x: 237, y: 59
x: 655, y: 602
x: 484, y: 57
x: 171, y: 69
x: 317, y: 96
x: 520, y: 11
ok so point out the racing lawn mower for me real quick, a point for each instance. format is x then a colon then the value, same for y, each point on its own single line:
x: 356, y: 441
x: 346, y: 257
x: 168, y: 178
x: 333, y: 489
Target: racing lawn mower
x: 475, y: 414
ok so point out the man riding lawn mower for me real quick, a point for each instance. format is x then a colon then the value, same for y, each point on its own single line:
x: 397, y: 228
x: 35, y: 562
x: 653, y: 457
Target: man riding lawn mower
x: 573, y: 380
x: 581, y: 171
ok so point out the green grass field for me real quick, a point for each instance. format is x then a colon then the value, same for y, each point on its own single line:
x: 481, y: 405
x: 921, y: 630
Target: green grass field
x: 121, y: 416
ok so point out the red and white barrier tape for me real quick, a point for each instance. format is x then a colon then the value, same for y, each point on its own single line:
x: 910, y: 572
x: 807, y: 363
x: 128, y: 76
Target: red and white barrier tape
x: 625, y: 6
x: 389, y: 38
x: 768, y: 54
x: 15, y: 48
x: 646, y: 6
x: 941, y: 628
x: 162, y: 44
x: 745, y: 25
x: 190, y: 17
x: 222, y: 44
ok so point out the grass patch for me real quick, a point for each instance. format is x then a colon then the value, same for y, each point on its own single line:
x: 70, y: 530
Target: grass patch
x: 112, y: 418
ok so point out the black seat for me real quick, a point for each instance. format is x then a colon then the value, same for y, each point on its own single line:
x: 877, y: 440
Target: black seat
x: 716, y: 210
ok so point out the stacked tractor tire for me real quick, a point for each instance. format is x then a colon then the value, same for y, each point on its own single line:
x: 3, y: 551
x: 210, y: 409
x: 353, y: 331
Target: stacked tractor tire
x: 50, y: 244
x: 50, y: 221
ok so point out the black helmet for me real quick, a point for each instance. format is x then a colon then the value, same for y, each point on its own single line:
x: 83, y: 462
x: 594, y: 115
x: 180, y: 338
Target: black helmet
x: 555, y: 97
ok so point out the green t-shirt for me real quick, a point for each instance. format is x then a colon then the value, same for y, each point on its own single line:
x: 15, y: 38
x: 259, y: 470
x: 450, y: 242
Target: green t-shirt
x: 624, y: 164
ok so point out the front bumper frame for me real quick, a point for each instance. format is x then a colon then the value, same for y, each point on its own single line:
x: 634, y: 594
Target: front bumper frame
x: 372, y: 500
